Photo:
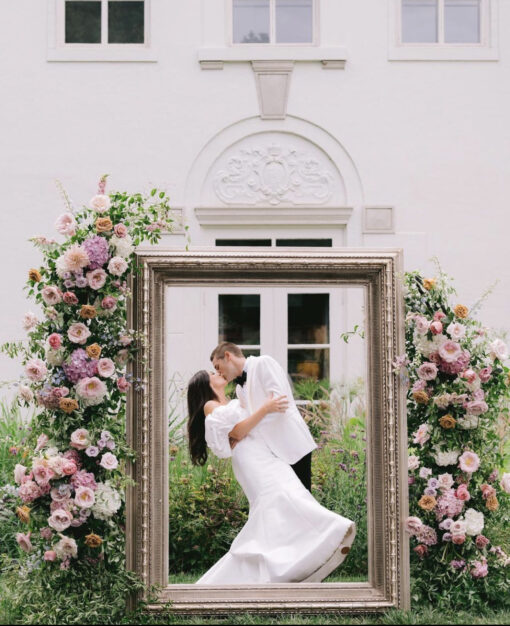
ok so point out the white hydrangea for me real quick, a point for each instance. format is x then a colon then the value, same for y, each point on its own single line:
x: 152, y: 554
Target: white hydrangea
x: 474, y: 522
x: 123, y: 245
x: 468, y: 422
x: 449, y: 457
x: 108, y: 501
x: 426, y: 346
x: 55, y: 357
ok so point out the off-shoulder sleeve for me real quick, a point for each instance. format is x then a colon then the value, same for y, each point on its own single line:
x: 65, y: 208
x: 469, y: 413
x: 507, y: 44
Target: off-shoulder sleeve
x: 217, y: 426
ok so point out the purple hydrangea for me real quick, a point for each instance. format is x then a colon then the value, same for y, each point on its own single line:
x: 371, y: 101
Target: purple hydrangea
x: 78, y: 365
x: 97, y: 249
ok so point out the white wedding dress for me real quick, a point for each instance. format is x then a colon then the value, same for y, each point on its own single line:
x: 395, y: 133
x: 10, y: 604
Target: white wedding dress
x: 289, y: 536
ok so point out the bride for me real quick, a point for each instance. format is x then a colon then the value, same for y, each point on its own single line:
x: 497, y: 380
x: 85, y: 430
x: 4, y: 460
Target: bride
x: 289, y: 536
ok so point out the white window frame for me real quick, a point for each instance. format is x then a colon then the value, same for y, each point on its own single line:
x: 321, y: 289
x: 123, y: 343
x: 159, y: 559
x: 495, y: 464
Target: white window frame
x: 59, y: 50
x: 485, y: 50
x: 272, y: 28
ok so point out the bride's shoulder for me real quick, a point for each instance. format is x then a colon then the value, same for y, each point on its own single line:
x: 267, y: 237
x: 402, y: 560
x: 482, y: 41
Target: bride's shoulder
x: 213, y: 406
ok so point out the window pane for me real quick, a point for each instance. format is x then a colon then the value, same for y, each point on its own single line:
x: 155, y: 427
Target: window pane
x: 125, y: 22
x: 318, y: 243
x: 462, y: 21
x: 419, y: 21
x: 83, y: 22
x: 239, y: 319
x: 243, y: 242
x: 294, y: 21
x: 308, y: 363
x: 308, y: 317
x: 251, y: 21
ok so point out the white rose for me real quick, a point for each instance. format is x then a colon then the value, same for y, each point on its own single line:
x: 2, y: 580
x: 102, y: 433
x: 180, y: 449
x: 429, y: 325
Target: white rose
x: 100, y: 203
x: 505, y: 482
x: 459, y: 527
x: 474, y: 522
x: 117, y: 266
x: 123, y: 245
x: 498, y: 350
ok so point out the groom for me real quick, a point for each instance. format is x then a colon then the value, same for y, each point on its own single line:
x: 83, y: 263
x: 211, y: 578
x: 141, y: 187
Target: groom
x: 286, y: 434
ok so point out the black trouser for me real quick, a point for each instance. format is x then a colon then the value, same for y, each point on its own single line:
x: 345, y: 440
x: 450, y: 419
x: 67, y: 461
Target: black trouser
x: 303, y: 469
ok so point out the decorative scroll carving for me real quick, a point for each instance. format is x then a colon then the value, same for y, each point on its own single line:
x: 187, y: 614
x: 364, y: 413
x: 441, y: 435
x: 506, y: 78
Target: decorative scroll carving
x: 273, y: 175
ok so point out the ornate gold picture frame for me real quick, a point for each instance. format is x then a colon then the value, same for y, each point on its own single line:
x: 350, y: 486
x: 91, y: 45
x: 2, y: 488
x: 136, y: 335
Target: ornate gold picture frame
x: 379, y: 271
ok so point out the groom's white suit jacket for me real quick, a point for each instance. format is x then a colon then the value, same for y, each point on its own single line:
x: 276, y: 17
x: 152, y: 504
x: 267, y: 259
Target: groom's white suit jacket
x: 286, y: 434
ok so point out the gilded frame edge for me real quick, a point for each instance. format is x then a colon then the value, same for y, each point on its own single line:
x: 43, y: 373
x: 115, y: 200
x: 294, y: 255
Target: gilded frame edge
x: 380, y: 270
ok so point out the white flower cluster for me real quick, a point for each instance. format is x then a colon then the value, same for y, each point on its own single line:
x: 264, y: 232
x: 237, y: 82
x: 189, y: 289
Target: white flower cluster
x: 123, y: 245
x: 108, y: 501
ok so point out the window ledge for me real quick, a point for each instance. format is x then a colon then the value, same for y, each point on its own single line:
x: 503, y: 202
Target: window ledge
x: 104, y: 54
x: 442, y: 52
x: 214, y: 58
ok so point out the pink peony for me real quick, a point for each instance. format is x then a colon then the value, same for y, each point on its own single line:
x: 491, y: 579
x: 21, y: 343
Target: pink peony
x: 96, y: 278
x: 84, y: 497
x: 78, y: 333
x: 65, y: 224
x: 80, y: 439
x: 75, y: 258
x: 476, y: 407
x: 91, y: 390
x: 462, y: 493
x: 105, y: 367
x: 469, y: 375
x: 50, y: 555
x: 60, y: 519
x: 69, y: 467
x: 427, y: 371
x: 51, y: 295
x: 450, y: 351
x: 123, y: 384
x: 36, y: 370
x: 55, y: 340
x: 469, y: 462
x: 24, y: 541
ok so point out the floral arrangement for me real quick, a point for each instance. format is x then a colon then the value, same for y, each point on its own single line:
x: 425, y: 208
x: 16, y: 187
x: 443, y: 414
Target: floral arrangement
x: 458, y: 397
x: 71, y: 477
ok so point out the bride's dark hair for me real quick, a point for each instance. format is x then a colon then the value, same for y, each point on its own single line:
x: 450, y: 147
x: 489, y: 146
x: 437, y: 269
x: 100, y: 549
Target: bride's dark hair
x: 199, y: 392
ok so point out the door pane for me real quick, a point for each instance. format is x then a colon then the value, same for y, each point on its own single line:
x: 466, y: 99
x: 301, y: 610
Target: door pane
x: 308, y: 318
x: 243, y: 242
x: 419, y: 21
x: 294, y: 21
x: 251, y: 21
x: 239, y: 319
x: 125, y: 22
x: 306, y: 363
x: 462, y: 21
x: 83, y: 22
x: 317, y: 243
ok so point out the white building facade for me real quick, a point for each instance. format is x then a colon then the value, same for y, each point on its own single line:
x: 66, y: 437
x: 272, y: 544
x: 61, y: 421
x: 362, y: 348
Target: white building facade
x: 370, y: 123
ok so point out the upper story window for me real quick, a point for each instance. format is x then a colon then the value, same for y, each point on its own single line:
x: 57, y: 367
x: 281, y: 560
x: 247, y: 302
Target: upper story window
x: 441, y: 21
x: 104, y: 22
x: 273, y: 22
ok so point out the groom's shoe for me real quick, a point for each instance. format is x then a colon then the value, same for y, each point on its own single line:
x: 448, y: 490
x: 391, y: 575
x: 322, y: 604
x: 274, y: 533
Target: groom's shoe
x: 335, y: 559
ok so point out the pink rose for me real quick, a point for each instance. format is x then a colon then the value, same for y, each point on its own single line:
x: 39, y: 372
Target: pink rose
x: 36, y: 370
x: 469, y: 462
x: 60, y: 519
x: 96, y: 278
x: 65, y: 224
x: 50, y: 555
x: 80, y: 439
x: 78, y: 333
x: 55, y: 340
x: 438, y: 316
x: 91, y: 391
x: 487, y: 491
x: 108, y: 303
x: 485, y: 374
x: 481, y: 541
x: 458, y: 539
x: 105, y: 367
x: 421, y: 550
x: 469, y: 375
x: 43, y: 475
x: 462, y: 493
x: 427, y: 371
x: 450, y: 351
x: 24, y: 541
x: 422, y: 324
x: 70, y: 297
x: 122, y: 384
x: 100, y: 203
x: 84, y: 497
x: 19, y: 473
x: 476, y: 407
x: 51, y: 295
x: 109, y: 461
x: 117, y: 265
x: 436, y: 328
x: 61, y: 493
x: 413, y: 525
x: 120, y: 230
